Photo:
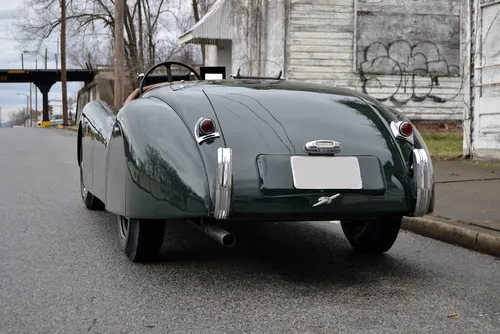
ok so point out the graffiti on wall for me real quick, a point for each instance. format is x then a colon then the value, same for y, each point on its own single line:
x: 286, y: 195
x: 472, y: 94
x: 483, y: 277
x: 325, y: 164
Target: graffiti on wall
x: 406, y: 48
x: 403, y: 72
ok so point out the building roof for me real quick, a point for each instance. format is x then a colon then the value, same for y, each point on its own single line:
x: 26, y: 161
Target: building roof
x: 215, y: 25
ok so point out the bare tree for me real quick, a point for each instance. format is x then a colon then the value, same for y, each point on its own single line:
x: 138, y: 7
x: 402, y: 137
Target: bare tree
x: 149, y: 26
x: 90, y: 49
x: 83, y: 54
x: 19, y: 116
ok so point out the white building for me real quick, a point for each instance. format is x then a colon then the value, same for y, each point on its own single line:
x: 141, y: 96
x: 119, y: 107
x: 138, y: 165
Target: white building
x: 485, y: 57
x: 414, y: 55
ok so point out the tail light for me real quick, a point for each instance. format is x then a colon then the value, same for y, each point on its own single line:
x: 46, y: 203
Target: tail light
x: 207, y: 126
x: 406, y: 129
x: 403, y: 130
x: 205, y: 130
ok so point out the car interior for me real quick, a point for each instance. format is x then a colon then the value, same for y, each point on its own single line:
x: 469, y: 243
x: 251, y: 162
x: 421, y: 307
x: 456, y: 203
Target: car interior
x: 191, y: 74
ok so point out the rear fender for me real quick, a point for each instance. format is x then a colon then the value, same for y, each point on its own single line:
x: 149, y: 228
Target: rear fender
x: 419, y: 167
x: 94, y: 131
x: 153, y: 165
x: 86, y: 152
x: 417, y: 160
x: 404, y: 147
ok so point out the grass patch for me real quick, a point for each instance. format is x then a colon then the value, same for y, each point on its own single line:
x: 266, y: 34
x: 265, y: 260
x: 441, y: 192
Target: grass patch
x: 444, y: 146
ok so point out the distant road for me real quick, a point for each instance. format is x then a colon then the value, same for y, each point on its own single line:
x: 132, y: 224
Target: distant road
x: 61, y: 270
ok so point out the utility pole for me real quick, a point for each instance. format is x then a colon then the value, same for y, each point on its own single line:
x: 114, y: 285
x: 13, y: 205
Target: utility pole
x: 46, y: 57
x: 119, y: 53
x: 36, y: 95
x: 22, y: 60
x: 31, y: 108
x: 63, y: 64
x: 27, y: 108
x: 57, y: 64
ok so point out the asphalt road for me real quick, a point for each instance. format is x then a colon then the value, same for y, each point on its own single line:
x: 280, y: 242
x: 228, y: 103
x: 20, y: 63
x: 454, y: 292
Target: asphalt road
x: 61, y: 270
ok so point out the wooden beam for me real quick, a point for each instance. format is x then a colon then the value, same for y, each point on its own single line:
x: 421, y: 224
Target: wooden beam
x: 63, y: 64
x: 119, y: 53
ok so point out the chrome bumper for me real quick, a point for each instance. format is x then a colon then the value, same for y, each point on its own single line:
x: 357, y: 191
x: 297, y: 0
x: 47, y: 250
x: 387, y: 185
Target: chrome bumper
x: 423, y: 174
x: 224, y: 183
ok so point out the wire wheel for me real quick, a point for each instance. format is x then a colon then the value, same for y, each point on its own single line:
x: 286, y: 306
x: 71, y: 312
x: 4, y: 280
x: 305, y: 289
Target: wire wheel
x: 123, y: 227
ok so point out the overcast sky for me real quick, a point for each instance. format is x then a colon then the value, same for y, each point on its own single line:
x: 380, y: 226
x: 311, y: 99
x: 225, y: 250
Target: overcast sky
x: 10, y: 58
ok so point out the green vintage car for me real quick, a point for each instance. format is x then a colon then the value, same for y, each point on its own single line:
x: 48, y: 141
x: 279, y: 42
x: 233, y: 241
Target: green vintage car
x: 251, y: 149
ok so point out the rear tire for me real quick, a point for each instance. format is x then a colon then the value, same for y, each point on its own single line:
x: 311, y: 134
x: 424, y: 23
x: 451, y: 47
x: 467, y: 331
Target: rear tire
x: 140, y: 239
x: 372, y: 236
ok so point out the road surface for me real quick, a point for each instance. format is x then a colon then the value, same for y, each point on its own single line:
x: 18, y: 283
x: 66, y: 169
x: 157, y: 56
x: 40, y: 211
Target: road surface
x: 61, y: 269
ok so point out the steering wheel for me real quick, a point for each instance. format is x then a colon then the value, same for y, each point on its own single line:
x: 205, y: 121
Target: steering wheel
x: 168, y: 65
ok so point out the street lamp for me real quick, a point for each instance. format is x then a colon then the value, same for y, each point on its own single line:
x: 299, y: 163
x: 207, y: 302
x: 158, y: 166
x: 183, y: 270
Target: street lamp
x: 27, y: 104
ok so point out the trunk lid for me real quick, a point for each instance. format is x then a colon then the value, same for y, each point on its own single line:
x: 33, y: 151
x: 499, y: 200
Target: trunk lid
x: 276, y: 121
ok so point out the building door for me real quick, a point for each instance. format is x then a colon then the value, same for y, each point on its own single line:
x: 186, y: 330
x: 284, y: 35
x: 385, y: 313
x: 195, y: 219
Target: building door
x: 224, y: 55
x: 486, y: 120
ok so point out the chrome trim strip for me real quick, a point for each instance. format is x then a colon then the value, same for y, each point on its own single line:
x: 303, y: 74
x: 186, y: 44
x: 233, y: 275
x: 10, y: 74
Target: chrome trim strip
x: 331, y: 147
x: 200, y: 137
x: 395, y: 131
x: 423, y: 175
x: 224, y: 183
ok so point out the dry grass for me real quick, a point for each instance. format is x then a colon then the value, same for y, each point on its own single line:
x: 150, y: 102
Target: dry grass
x: 444, y: 146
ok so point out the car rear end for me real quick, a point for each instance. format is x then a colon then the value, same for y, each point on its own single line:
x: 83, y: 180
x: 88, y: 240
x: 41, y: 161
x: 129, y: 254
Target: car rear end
x: 271, y: 167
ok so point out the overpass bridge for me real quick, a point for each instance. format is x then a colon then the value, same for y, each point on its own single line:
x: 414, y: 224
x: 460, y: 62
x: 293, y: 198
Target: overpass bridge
x: 44, y: 80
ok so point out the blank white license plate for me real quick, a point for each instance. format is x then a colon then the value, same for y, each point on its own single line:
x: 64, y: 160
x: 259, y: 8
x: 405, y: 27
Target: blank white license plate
x: 326, y: 172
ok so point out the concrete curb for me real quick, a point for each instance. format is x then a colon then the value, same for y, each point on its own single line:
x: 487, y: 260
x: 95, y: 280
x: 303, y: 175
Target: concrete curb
x: 457, y: 233
x: 69, y: 128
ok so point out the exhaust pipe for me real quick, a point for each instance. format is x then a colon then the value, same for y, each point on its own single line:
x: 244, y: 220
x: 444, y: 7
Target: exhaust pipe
x: 223, y: 237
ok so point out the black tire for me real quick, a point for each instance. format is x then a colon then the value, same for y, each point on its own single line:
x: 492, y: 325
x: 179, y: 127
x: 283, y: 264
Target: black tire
x: 90, y: 201
x: 140, y: 239
x: 372, y: 236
